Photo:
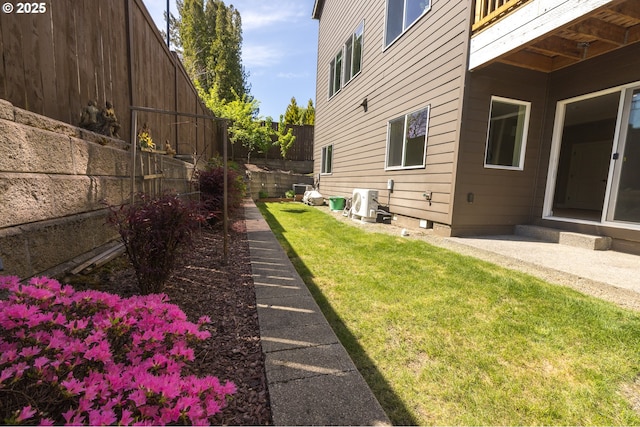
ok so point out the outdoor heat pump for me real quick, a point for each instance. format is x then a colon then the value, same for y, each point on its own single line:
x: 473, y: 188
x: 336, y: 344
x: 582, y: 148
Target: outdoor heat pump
x: 365, y: 204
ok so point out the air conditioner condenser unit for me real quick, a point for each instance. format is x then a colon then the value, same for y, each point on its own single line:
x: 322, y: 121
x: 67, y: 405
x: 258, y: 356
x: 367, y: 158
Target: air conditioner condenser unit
x: 364, y: 204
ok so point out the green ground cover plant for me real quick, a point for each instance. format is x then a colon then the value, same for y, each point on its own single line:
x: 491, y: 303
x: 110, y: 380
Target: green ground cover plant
x: 448, y: 339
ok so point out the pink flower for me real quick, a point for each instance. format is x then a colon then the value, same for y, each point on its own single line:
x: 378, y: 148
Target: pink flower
x: 68, y: 415
x: 58, y: 340
x: 9, y: 282
x: 196, y: 411
x: 101, y: 417
x: 73, y: 386
x: 39, y: 319
x: 169, y: 415
x: 73, y: 330
x: 204, y: 320
x: 152, y: 335
x: 126, y: 419
x: 180, y: 350
x: 8, y: 356
x: 212, y: 407
x: 26, y: 413
x: 46, y: 422
x: 100, y: 352
x: 96, y: 336
x: 20, y: 311
x: 29, y: 352
x: 20, y: 368
x: 149, y: 411
x: 199, y: 421
x: 138, y: 397
x: 90, y: 391
x: 37, y: 293
x: 6, y: 373
x: 84, y: 404
x: 40, y: 362
x: 77, y: 325
x: 186, y: 402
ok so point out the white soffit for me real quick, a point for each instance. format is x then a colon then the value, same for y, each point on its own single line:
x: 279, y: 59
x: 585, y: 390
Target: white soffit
x: 526, y: 24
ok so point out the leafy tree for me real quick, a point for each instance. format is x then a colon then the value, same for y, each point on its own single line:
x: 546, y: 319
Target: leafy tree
x: 246, y: 127
x: 285, y: 137
x: 263, y: 140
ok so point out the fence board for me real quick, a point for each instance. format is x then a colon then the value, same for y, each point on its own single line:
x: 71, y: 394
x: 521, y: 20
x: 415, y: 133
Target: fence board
x: 13, y: 57
x: 301, y: 150
x: 3, y: 79
x: 54, y: 63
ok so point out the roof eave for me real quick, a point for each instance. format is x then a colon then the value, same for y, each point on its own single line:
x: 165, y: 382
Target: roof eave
x: 317, y: 9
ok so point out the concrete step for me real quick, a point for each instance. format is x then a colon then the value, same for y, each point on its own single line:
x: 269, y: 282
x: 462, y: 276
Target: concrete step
x: 578, y: 240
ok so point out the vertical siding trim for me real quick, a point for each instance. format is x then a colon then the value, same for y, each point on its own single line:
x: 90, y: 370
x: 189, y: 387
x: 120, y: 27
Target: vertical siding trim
x: 464, y: 95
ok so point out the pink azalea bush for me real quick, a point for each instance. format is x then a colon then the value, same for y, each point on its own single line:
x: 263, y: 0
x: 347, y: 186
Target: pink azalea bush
x: 89, y: 357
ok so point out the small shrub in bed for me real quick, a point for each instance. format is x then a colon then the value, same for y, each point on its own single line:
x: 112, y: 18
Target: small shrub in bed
x: 153, y: 231
x: 211, y: 186
x: 94, y: 358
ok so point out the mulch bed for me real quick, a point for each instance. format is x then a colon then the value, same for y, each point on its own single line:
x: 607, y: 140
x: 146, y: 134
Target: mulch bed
x: 204, y: 285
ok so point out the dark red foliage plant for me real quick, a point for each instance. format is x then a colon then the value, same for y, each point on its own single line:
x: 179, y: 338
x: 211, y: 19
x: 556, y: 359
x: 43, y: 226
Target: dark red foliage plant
x: 211, y: 186
x: 154, y: 230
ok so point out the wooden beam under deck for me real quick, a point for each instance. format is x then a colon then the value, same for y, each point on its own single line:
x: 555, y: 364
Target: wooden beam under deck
x: 598, y: 32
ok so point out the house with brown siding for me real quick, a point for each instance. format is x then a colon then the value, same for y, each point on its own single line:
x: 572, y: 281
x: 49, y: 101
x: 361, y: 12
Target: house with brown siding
x: 474, y: 116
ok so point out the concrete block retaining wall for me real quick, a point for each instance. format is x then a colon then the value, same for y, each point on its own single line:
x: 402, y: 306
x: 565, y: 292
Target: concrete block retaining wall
x: 274, y: 184
x: 54, y: 181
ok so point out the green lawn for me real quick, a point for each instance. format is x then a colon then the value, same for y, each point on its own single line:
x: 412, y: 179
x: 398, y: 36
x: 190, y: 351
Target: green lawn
x: 447, y: 339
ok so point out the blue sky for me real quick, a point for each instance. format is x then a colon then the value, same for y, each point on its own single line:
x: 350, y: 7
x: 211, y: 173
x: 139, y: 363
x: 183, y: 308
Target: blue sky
x: 279, y: 49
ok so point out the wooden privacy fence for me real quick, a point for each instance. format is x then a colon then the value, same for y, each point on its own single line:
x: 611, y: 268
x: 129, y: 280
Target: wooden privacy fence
x: 54, y: 62
x: 301, y: 150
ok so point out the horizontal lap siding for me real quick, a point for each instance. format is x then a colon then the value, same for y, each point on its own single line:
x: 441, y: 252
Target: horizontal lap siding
x: 425, y: 66
x: 501, y: 198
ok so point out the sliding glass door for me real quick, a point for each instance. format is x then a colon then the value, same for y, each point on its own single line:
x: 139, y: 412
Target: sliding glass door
x: 625, y: 200
x: 594, y: 172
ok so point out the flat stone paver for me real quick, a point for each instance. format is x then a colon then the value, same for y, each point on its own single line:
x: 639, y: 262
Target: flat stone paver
x: 311, y: 378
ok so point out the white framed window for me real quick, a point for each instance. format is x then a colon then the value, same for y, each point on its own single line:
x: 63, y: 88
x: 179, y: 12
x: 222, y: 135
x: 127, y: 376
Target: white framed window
x: 407, y: 140
x: 507, y: 133
x: 347, y: 63
x: 353, y: 49
x: 327, y: 160
x: 402, y: 14
x: 335, y: 74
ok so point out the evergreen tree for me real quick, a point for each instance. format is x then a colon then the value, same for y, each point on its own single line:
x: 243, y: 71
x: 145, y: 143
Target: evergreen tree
x: 308, y: 115
x: 211, y: 38
x: 292, y: 113
x: 225, y: 60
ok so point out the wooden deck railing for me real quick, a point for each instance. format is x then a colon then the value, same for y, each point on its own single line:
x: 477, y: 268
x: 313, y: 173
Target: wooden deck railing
x: 488, y: 11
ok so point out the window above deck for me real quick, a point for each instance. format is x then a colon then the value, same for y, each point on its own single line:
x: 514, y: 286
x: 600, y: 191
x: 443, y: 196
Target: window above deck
x: 546, y: 35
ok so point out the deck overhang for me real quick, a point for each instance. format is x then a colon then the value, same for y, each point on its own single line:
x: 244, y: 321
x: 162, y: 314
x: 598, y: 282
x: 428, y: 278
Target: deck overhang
x: 547, y: 35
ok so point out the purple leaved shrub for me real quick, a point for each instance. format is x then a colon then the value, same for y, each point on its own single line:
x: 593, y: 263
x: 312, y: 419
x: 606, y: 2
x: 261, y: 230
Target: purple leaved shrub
x: 154, y: 230
x: 90, y: 357
x: 211, y: 186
